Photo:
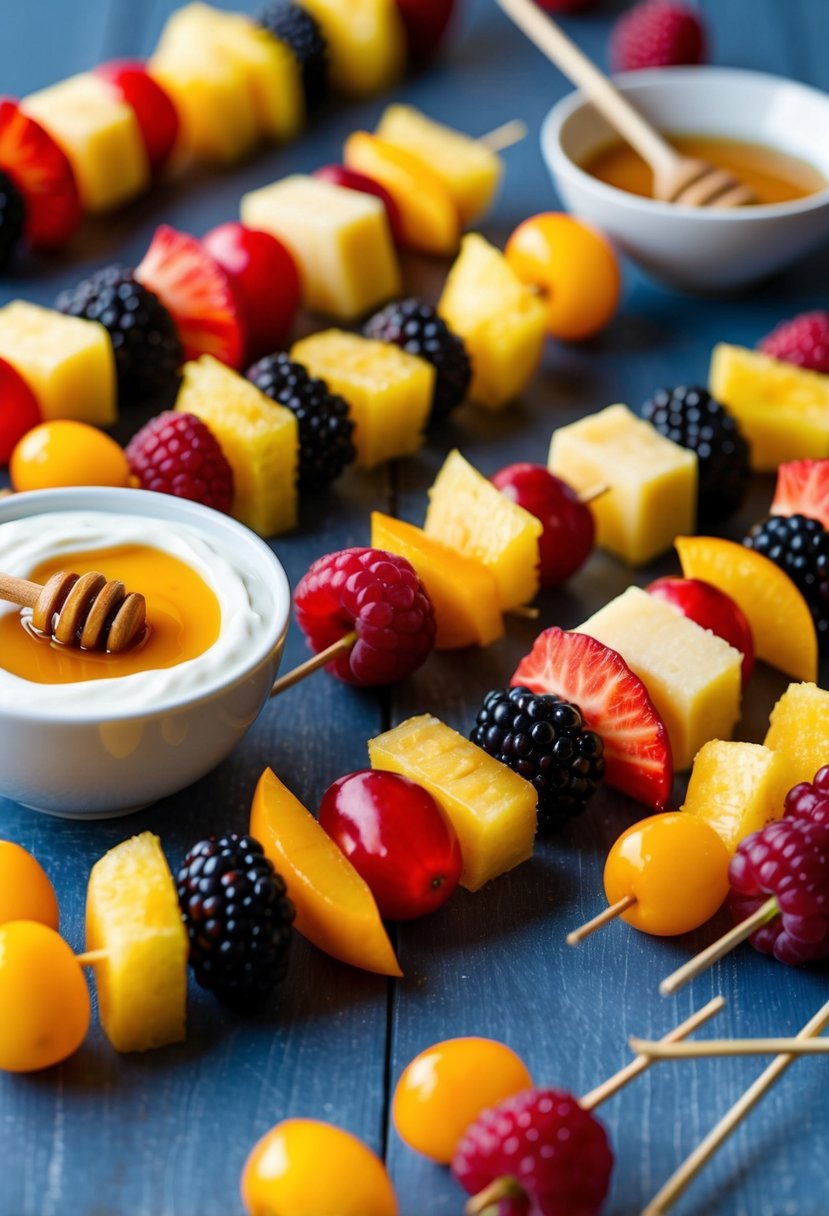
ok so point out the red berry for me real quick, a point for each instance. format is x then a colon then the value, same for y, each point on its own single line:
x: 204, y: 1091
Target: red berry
x: 152, y: 105
x: 425, y: 23
x: 710, y: 608
x: 551, y: 1156
x: 19, y: 410
x: 397, y: 838
x: 804, y: 340
x: 810, y: 799
x: 787, y: 859
x: 569, y: 529
x: 177, y: 454
x: 803, y: 489
x: 656, y: 34
x: 198, y: 294
x: 379, y: 596
x: 43, y: 175
x: 350, y: 179
x: 613, y: 702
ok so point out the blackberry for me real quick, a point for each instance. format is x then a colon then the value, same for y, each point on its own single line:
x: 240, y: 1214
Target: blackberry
x: 325, y: 428
x: 416, y: 327
x: 237, y: 917
x: 544, y: 739
x: 693, y: 419
x: 295, y: 26
x: 800, y: 546
x: 144, y: 339
x: 12, y: 219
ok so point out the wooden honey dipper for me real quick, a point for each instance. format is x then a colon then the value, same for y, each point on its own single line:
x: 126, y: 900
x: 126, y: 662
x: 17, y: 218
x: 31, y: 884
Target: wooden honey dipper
x: 85, y: 611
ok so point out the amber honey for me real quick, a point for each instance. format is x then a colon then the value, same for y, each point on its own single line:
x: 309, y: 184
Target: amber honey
x: 774, y: 176
x: 183, y: 619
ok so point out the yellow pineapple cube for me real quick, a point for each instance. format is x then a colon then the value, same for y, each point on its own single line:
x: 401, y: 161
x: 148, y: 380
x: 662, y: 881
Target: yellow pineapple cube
x: 799, y: 732
x: 462, y: 589
x: 259, y: 438
x: 209, y: 85
x: 100, y: 135
x: 469, y: 170
x: 389, y: 392
x: 467, y: 513
x: 133, y: 915
x: 501, y: 320
x: 693, y: 676
x: 782, y: 409
x: 340, y: 239
x: 652, y: 482
x: 66, y: 361
x: 492, y: 809
x: 366, y: 43
x: 736, y: 788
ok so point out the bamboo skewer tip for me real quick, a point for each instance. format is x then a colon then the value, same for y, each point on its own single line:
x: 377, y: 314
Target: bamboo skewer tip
x: 576, y: 936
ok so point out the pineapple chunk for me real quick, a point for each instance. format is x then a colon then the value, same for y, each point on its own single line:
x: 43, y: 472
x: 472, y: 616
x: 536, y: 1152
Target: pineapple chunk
x: 208, y: 85
x: 782, y: 409
x: 693, y: 676
x: 100, y: 135
x: 492, y: 809
x: 132, y: 914
x: 462, y: 589
x: 366, y: 43
x: 501, y: 320
x: 799, y: 732
x: 469, y: 170
x: 340, y: 239
x: 467, y: 513
x: 389, y: 392
x: 66, y: 361
x: 259, y: 438
x: 652, y: 482
x: 736, y: 788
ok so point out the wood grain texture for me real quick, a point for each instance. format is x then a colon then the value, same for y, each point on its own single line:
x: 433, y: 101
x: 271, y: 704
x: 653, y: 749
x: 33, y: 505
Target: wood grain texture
x: 166, y: 1134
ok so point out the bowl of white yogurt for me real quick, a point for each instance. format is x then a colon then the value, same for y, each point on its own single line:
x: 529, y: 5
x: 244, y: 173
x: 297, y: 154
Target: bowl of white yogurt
x: 104, y: 747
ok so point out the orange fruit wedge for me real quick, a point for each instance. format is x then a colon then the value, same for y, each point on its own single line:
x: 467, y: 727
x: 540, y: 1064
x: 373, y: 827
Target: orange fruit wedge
x: 334, y: 907
x: 780, y: 620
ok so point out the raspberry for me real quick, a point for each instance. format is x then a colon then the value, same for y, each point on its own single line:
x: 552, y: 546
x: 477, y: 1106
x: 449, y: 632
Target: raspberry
x: 657, y: 34
x: 810, y: 799
x: 804, y: 340
x: 380, y: 597
x: 551, y: 1157
x: 787, y: 860
x: 177, y: 454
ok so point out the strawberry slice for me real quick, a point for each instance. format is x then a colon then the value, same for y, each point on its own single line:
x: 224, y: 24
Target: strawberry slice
x: 197, y: 293
x: 803, y: 489
x: 613, y: 701
x: 42, y: 174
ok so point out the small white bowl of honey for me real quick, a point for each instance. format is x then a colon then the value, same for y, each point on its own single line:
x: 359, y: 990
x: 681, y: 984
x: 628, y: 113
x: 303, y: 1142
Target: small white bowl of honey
x: 769, y: 132
x: 88, y: 734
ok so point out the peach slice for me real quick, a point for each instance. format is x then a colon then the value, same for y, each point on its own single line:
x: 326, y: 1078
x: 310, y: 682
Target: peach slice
x: 334, y: 907
x: 780, y: 620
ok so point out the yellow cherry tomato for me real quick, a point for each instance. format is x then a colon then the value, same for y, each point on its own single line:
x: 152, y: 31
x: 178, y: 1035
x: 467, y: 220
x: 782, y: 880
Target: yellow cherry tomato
x: 44, y: 1000
x: 66, y: 453
x: 25, y: 890
x: 676, y: 868
x: 574, y: 267
x: 446, y: 1087
x: 303, y: 1167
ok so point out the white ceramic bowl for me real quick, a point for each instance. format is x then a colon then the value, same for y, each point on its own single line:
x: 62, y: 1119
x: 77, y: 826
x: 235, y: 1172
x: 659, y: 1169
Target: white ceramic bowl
x: 79, y: 764
x: 699, y: 249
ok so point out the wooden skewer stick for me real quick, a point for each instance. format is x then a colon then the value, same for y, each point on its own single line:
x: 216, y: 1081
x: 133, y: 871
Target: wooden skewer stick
x: 728, y: 1047
x: 642, y: 1062
x: 91, y: 957
x: 311, y: 665
x: 704, y: 1151
x: 505, y: 136
x: 604, y: 918
x: 719, y: 949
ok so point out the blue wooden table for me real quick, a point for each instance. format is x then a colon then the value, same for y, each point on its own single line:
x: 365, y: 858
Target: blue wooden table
x: 165, y: 1134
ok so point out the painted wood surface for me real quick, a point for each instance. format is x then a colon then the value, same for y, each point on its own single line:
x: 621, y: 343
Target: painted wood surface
x: 166, y: 1134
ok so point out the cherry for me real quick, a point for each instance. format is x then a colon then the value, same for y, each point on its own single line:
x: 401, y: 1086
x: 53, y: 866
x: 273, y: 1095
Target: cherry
x: 265, y: 279
x: 350, y: 179
x: 712, y: 609
x: 569, y: 530
x: 426, y: 23
x: 397, y: 838
x: 154, y: 110
x: 19, y: 410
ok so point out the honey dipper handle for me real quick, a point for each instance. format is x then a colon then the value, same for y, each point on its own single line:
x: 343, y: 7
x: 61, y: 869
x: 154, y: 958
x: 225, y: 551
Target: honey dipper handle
x: 19, y: 591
